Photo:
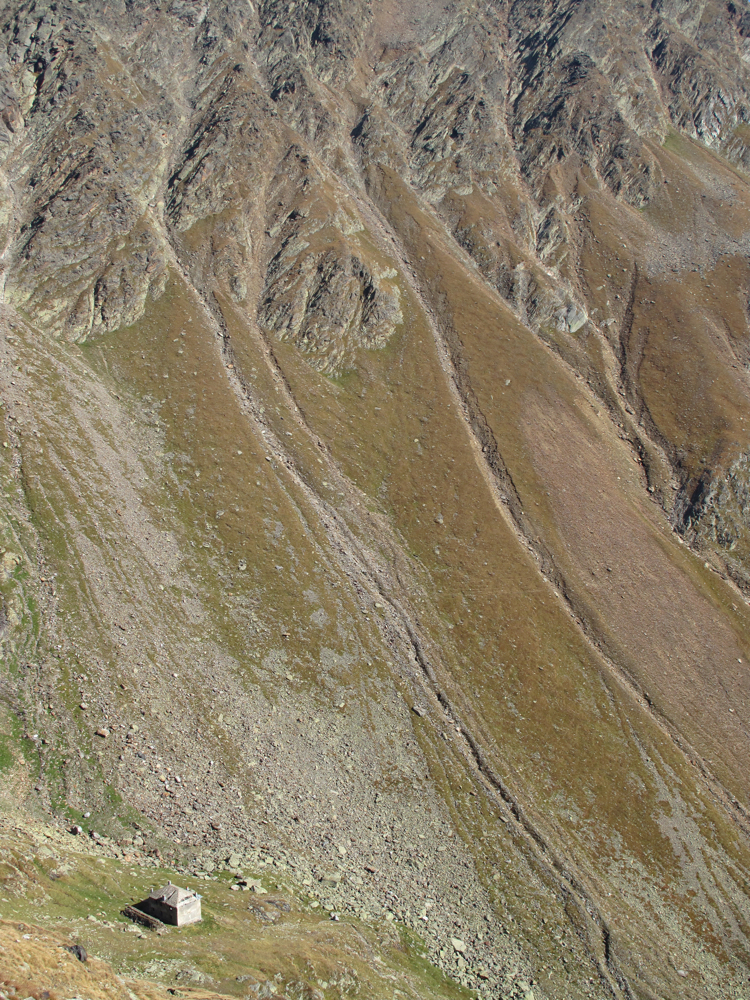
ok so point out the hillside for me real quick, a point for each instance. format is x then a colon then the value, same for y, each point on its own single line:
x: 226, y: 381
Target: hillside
x: 376, y: 472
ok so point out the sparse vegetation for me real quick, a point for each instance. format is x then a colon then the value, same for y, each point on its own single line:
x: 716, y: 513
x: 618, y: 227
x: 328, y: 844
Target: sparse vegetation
x: 373, y: 516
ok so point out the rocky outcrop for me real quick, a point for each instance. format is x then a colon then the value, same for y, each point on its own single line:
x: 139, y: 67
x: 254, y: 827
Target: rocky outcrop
x: 93, y: 161
x: 329, y: 306
x: 328, y: 34
x: 323, y: 291
x: 719, y: 519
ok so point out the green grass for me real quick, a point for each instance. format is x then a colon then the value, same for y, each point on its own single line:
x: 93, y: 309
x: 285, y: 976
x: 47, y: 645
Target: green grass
x: 7, y: 757
x: 62, y: 891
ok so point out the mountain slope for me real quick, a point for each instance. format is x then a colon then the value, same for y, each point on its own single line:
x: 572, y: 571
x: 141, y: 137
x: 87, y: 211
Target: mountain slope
x: 375, y: 397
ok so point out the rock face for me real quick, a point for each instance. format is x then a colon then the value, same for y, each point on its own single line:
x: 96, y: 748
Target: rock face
x: 329, y: 305
x: 325, y: 290
x: 374, y: 386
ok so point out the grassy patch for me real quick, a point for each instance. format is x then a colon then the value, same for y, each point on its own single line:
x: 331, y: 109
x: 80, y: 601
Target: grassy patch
x: 48, y: 879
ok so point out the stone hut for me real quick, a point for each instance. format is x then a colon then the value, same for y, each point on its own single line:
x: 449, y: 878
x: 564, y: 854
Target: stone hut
x: 173, y: 905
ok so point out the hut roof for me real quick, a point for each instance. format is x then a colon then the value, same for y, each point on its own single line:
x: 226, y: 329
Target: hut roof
x: 172, y: 895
